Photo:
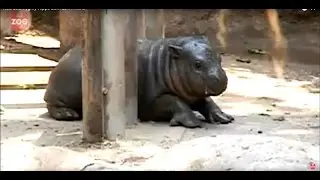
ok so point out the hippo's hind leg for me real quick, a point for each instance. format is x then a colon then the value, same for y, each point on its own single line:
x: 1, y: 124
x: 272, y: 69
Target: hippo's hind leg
x: 211, y: 111
x: 173, y: 108
x: 63, y: 113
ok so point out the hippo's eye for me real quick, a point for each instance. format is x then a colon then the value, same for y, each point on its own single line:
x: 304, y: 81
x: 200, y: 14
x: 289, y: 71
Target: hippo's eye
x: 198, y: 65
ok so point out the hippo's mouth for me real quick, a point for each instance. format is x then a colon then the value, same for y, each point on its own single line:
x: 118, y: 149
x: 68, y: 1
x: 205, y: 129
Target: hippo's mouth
x: 214, y: 91
x: 212, y: 94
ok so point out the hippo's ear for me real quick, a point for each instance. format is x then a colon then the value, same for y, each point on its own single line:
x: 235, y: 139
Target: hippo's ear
x: 175, y: 51
x: 205, y: 38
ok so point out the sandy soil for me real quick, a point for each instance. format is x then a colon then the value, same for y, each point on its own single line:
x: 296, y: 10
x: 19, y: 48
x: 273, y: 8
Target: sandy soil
x: 261, y: 104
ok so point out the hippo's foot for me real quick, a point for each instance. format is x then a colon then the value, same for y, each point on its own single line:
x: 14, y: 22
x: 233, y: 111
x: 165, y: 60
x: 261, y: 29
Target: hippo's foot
x: 63, y: 113
x: 211, y: 111
x: 177, y: 111
x: 186, y: 120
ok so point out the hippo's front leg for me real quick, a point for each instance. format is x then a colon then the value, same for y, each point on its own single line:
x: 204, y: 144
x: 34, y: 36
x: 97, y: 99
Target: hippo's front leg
x: 175, y: 109
x: 211, y: 111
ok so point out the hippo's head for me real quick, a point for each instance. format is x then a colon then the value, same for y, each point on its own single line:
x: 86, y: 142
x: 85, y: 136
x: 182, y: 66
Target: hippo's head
x: 199, y: 66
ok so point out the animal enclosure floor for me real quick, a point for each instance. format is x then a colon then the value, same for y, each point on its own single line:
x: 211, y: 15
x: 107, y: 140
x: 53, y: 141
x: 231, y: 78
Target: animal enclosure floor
x: 261, y: 105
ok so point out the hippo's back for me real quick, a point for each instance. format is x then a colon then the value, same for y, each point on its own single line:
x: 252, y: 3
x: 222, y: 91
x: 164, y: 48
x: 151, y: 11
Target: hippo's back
x: 152, y: 64
x: 64, y: 84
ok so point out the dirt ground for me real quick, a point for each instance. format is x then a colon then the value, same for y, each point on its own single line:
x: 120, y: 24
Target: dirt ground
x: 249, y: 29
x: 262, y: 105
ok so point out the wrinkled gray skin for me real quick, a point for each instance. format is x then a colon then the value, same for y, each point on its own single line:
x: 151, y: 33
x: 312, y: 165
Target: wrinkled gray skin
x: 64, y: 90
x: 176, y: 77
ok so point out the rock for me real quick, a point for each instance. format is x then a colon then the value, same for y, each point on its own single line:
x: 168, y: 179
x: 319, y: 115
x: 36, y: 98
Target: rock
x: 280, y: 118
x: 257, y: 51
x: 264, y: 114
x: 243, y: 60
x: 27, y: 157
x: 235, y: 152
x: 18, y: 156
x: 222, y: 152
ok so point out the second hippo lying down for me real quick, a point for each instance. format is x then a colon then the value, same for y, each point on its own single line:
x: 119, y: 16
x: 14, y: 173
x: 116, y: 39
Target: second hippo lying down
x: 176, y: 77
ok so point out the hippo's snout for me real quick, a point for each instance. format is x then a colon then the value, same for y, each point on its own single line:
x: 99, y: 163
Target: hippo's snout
x: 217, y: 82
